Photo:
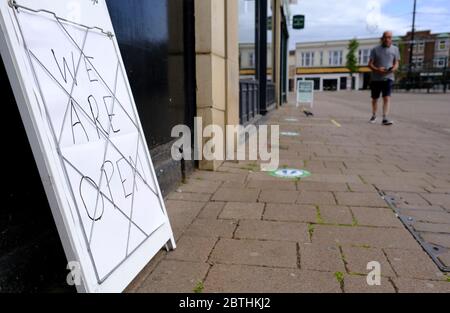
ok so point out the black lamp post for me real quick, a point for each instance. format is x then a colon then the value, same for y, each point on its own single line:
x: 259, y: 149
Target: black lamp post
x: 411, y: 47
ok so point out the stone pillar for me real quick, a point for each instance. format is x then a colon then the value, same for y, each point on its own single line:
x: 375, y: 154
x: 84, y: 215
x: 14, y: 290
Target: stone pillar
x: 232, y: 44
x: 216, y: 30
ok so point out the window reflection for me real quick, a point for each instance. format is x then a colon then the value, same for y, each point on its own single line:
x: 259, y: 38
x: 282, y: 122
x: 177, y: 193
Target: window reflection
x: 247, y: 36
x: 270, y: 46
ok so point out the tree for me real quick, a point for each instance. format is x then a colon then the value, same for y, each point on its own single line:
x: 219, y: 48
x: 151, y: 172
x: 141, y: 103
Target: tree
x: 352, y: 59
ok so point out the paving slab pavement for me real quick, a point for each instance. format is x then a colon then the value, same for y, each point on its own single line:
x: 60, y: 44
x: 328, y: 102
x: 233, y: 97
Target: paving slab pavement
x: 240, y: 230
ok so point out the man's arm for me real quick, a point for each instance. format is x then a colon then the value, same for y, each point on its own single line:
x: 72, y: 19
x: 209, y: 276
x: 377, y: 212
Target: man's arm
x: 396, y: 66
x: 396, y: 61
x: 376, y: 69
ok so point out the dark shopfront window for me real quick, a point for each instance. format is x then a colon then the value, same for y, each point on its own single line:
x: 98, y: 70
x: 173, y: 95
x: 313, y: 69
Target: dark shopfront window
x: 343, y: 83
x: 152, y: 42
x: 271, y: 22
x: 256, y: 87
x: 157, y: 41
x: 270, y: 42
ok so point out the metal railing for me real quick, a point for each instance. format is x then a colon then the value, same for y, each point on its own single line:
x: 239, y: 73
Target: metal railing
x: 248, y: 100
x: 426, y: 78
x: 270, y: 99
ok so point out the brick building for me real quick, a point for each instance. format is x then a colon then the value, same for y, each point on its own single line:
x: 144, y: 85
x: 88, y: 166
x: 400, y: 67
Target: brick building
x: 430, y: 51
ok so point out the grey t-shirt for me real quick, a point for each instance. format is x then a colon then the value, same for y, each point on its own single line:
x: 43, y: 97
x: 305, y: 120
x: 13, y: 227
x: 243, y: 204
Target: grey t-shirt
x: 384, y: 57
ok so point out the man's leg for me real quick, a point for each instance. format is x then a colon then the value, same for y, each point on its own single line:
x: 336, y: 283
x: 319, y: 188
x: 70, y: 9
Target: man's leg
x: 374, y: 107
x: 387, y: 91
x: 373, y: 119
x: 376, y: 92
x: 386, y: 106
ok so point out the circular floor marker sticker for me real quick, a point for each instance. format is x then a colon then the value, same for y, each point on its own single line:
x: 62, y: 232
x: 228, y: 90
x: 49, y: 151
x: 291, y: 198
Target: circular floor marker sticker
x: 290, y: 173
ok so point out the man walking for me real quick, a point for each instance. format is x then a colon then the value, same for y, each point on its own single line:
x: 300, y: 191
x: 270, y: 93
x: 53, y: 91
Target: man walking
x: 384, y: 62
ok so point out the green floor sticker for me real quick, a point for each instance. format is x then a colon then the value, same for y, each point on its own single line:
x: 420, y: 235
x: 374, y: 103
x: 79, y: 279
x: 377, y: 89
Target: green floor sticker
x: 290, y: 173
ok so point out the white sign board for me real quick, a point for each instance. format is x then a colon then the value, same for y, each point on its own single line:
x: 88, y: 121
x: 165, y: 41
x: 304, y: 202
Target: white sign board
x: 75, y: 101
x: 305, y: 92
x: 431, y: 74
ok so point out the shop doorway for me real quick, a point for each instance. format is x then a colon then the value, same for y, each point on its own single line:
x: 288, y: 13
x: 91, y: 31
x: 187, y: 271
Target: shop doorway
x: 343, y: 83
x: 330, y: 84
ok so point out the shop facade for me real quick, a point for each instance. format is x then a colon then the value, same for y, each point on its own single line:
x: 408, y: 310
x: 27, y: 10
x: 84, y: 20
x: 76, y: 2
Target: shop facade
x: 182, y: 60
x: 157, y: 43
x: 263, y: 56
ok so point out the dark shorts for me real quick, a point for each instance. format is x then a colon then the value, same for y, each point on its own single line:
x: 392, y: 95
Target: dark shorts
x: 381, y: 88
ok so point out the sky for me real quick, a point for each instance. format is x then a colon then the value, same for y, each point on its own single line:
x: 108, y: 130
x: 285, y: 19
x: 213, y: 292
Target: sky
x: 345, y: 19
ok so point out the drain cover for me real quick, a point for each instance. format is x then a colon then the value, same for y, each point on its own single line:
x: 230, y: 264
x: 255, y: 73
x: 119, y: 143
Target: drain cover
x: 290, y: 173
x: 440, y: 255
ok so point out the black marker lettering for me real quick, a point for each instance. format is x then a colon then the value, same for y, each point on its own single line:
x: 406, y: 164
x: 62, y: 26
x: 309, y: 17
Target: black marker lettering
x: 109, y: 177
x: 66, y: 68
x: 90, y: 182
x: 123, y: 181
x: 91, y: 101
x: 110, y: 115
x: 77, y: 122
x: 89, y: 69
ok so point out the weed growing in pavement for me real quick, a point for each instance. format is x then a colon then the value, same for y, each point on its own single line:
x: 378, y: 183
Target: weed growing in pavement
x: 199, y: 287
